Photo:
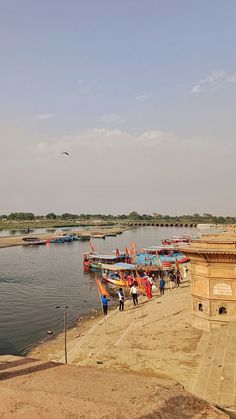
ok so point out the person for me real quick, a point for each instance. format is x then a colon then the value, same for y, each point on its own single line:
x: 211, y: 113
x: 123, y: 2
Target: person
x: 178, y: 278
x: 148, y: 286
x: 134, y: 293
x: 121, y: 299
x: 159, y: 273
x: 104, y: 304
x: 185, y: 272
x: 162, y: 286
x: 149, y: 289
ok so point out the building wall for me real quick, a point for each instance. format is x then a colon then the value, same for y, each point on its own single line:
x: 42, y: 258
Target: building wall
x: 213, y: 288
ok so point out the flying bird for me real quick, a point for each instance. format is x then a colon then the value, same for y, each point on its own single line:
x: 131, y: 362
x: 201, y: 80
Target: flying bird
x: 65, y: 152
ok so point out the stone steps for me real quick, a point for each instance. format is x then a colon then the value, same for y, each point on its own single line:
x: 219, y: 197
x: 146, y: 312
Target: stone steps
x: 216, y: 377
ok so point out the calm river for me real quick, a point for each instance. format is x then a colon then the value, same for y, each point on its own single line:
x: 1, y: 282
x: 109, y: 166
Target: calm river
x: 33, y: 281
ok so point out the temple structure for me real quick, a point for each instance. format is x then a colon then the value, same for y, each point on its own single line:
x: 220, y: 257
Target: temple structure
x: 213, y: 279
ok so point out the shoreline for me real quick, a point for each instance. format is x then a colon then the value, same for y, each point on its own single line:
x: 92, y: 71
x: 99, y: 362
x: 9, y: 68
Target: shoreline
x: 122, y: 341
x: 83, y: 322
x: 12, y: 241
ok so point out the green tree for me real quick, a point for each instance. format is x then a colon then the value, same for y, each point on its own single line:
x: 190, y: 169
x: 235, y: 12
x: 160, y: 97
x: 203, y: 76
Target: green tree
x: 51, y: 216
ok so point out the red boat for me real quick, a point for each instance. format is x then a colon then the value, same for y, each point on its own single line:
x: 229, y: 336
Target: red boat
x: 176, y: 240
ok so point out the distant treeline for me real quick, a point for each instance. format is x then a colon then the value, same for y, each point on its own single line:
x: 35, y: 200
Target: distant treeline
x: 193, y: 218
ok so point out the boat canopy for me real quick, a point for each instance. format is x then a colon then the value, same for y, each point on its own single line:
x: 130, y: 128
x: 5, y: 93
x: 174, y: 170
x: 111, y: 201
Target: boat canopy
x: 157, y: 248
x: 103, y: 257
x: 120, y: 266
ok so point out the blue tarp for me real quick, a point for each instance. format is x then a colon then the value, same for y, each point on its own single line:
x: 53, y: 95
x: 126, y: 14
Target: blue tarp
x: 146, y: 258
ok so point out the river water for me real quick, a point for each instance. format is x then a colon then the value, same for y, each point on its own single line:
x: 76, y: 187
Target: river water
x: 35, y: 280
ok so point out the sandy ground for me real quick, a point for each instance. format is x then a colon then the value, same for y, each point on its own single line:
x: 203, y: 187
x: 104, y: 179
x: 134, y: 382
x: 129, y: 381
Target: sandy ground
x: 123, y: 366
x: 31, y: 389
x: 154, y: 339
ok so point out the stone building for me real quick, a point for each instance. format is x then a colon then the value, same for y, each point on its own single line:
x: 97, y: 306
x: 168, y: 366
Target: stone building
x: 213, y: 279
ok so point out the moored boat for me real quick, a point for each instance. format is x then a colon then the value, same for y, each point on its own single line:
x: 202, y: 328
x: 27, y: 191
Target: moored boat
x: 98, y: 236
x: 164, y: 257
x: 176, y: 240
x: 94, y: 261
x: 30, y: 239
x: 35, y: 243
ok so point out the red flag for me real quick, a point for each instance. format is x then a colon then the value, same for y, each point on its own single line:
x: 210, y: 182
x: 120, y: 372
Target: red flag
x: 91, y: 246
x: 101, y: 288
x: 127, y: 251
x: 117, y: 252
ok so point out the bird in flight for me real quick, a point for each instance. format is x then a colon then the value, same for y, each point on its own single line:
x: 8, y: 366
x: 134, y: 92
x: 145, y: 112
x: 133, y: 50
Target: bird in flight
x: 65, y: 152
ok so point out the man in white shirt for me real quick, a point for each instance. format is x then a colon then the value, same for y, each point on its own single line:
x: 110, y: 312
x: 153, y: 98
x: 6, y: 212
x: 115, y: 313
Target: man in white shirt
x: 134, y: 293
x: 121, y: 299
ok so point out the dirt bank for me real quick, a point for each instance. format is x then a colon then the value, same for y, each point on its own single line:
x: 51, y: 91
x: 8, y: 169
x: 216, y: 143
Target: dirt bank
x: 155, y: 339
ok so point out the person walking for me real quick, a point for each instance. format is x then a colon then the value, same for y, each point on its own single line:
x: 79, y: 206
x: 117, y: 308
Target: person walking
x: 185, y: 272
x: 162, y: 286
x: 121, y: 299
x: 134, y: 293
x: 178, y: 278
x: 104, y: 304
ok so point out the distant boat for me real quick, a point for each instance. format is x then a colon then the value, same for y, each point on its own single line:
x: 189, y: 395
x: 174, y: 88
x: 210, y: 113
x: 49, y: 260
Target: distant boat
x: 35, y: 243
x: 176, y: 240
x: 83, y: 237
x: 98, y: 236
x: 30, y: 239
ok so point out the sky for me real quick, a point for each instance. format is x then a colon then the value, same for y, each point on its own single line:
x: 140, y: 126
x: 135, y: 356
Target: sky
x: 140, y: 93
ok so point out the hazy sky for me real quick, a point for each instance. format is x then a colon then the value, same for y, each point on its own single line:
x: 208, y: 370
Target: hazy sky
x: 141, y: 93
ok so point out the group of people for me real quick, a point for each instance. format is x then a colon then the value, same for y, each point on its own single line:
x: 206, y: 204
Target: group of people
x: 147, y: 283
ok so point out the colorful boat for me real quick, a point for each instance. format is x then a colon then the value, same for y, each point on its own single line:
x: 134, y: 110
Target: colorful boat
x: 113, y: 274
x: 114, y: 281
x: 176, y: 240
x: 94, y: 261
x: 160, y: 256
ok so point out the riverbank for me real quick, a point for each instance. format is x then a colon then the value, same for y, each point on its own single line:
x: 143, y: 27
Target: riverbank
x: 154, y: 339
x: 9, y: 241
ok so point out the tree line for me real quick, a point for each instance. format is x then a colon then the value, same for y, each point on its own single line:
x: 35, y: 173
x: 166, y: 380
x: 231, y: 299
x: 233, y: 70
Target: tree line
x: 134, y: 215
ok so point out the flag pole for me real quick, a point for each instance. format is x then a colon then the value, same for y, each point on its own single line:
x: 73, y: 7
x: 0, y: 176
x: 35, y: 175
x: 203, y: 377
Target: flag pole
x: 140, y: 286
x: 102, y: 291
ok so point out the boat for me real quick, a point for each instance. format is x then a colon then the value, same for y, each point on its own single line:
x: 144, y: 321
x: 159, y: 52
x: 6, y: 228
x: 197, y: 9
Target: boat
x: 114, y: 281
x: 30, y: 239
x: 83, y: 237
x: 98, y: 236
x: 61, y: 239
x: 35, y: 243
x: 155, y: 257
x: 176, y: 240
x: 113, y: 273
x: 94, y: 261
